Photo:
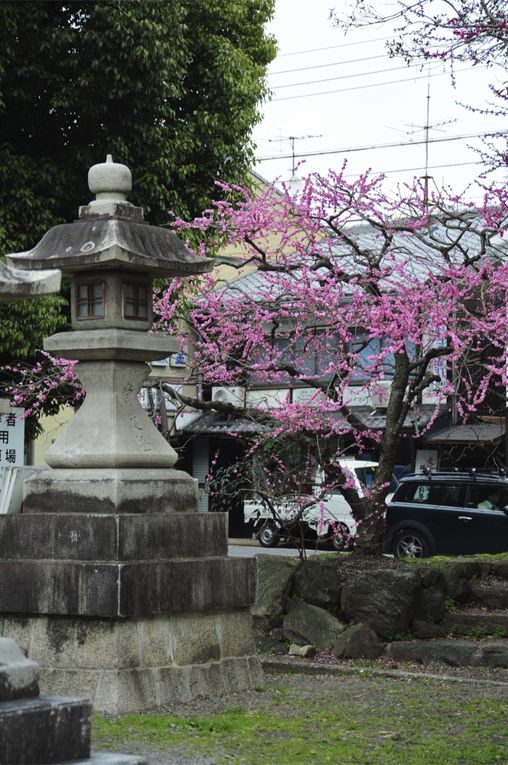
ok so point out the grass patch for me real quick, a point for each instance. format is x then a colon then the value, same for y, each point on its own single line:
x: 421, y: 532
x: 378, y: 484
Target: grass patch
x: 355, y: 721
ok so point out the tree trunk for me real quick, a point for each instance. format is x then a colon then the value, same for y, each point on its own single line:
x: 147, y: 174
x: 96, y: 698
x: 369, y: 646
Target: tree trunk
x: 370, y: 534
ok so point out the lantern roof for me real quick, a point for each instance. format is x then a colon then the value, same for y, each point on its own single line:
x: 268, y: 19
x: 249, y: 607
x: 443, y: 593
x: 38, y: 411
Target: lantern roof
x: 111, y: 233
x: 19, y: 285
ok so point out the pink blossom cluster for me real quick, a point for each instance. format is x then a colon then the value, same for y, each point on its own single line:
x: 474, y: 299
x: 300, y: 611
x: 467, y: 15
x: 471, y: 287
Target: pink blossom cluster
x: 46, y: 381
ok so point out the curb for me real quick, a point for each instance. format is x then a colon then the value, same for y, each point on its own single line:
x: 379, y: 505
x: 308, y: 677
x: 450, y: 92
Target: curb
x: 296, y: 666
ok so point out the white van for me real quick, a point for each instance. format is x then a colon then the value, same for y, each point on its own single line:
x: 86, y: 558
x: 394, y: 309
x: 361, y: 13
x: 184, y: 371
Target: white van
x: 330, y: 518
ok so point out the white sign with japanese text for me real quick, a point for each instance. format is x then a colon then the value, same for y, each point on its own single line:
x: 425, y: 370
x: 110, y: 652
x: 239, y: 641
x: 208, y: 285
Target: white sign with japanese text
x: 12, y: 438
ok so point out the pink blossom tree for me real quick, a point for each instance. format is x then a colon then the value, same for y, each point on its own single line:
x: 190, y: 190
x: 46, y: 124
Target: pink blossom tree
x: 352, y: 288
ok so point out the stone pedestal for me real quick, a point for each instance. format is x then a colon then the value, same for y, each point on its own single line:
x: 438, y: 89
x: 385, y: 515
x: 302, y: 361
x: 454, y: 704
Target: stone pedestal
x: 133, y: 610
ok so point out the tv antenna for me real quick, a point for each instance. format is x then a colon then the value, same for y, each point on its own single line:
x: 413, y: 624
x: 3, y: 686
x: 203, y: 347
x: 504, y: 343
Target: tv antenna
x: 427, y: 128
x: 292, y: 139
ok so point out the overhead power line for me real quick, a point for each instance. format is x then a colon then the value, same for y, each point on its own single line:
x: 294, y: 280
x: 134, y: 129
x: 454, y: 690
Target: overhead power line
x: 324, y: 66
x: 371, y: 85
x: 341, y: 77
x: 432, y: 167
x: 330, y: 47
x: 409, y: 169
x: 395, y: 145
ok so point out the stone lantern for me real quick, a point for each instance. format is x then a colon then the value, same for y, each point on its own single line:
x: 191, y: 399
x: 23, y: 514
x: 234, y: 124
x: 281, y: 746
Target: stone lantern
x: 110, y: 579
x: 110, y: 453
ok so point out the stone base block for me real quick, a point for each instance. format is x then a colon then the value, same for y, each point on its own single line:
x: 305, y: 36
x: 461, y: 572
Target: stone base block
x: 44, y: 730
x: 110, y: 490
x: 137, y: 588
x: 112, y: 537
x: 141, y: 664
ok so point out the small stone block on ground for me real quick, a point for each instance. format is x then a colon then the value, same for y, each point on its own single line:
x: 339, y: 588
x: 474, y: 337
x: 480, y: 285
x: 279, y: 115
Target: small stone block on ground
x: 19, y: 677
x: 59, y: 730
x: 307, y: 651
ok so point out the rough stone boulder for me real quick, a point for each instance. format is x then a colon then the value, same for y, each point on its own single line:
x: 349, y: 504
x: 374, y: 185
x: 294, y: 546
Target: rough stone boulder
x: 317, y: 582
x: 424, y: 630
x: 383, y: 599
x: 305, y: 623
x: 456, y: 653
x: 430, y: 602
x: 274, y: 577
x: 476, y: 622
x: 493, y: 596
x: 457, y: 576
x: 499, y: 568
x: 358, y: 642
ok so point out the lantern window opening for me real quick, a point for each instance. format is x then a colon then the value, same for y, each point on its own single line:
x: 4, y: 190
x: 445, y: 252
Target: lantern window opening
x: 91, y: 301
x: 135, y: 302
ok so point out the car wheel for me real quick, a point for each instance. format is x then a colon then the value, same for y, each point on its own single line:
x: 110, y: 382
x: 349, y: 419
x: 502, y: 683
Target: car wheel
x: 411, y: 543
x: 269, y: 535
x: 341, y: 537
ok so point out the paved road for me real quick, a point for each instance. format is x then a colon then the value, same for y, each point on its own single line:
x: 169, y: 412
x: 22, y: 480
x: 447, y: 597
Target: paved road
x: 249, y: 550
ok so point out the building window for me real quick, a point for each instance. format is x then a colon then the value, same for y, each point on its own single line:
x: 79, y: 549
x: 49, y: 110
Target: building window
x: 135, y: 302
x: 91, y: 301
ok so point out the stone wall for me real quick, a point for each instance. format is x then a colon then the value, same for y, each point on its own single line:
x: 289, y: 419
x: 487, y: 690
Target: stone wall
x: 357, y: 612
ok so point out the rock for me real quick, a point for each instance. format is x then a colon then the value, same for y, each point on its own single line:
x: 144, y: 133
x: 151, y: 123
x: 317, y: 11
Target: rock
x: 430, y: 576
x: 274, y: 580
x: 424, y: 630
x: 477, y: 623
x: 456, y: 653
x: 457, y: 588
x: 430, y: 603
x: 305, y: 623
x: 269, y: 644
x: 499, y: 568
x: 358, y: 642
x: 383, y: 599
x: 456, y: 579
x: 494, y: 596
x: 317, y: 582
x: 495, y: 653
x: 307, y: 651
x: 467, y: 569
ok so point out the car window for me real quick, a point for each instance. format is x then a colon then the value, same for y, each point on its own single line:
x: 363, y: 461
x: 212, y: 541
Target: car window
x: 432, y: 493
x: 450, y: 495
x: 413, y: 492
x: 487, y: 497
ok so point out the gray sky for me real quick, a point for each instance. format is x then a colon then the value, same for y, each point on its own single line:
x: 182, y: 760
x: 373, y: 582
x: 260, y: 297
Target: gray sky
x: 368, y: 99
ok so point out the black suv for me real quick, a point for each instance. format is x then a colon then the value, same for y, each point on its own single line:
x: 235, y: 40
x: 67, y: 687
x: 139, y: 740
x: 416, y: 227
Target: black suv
x: 448, y: 514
